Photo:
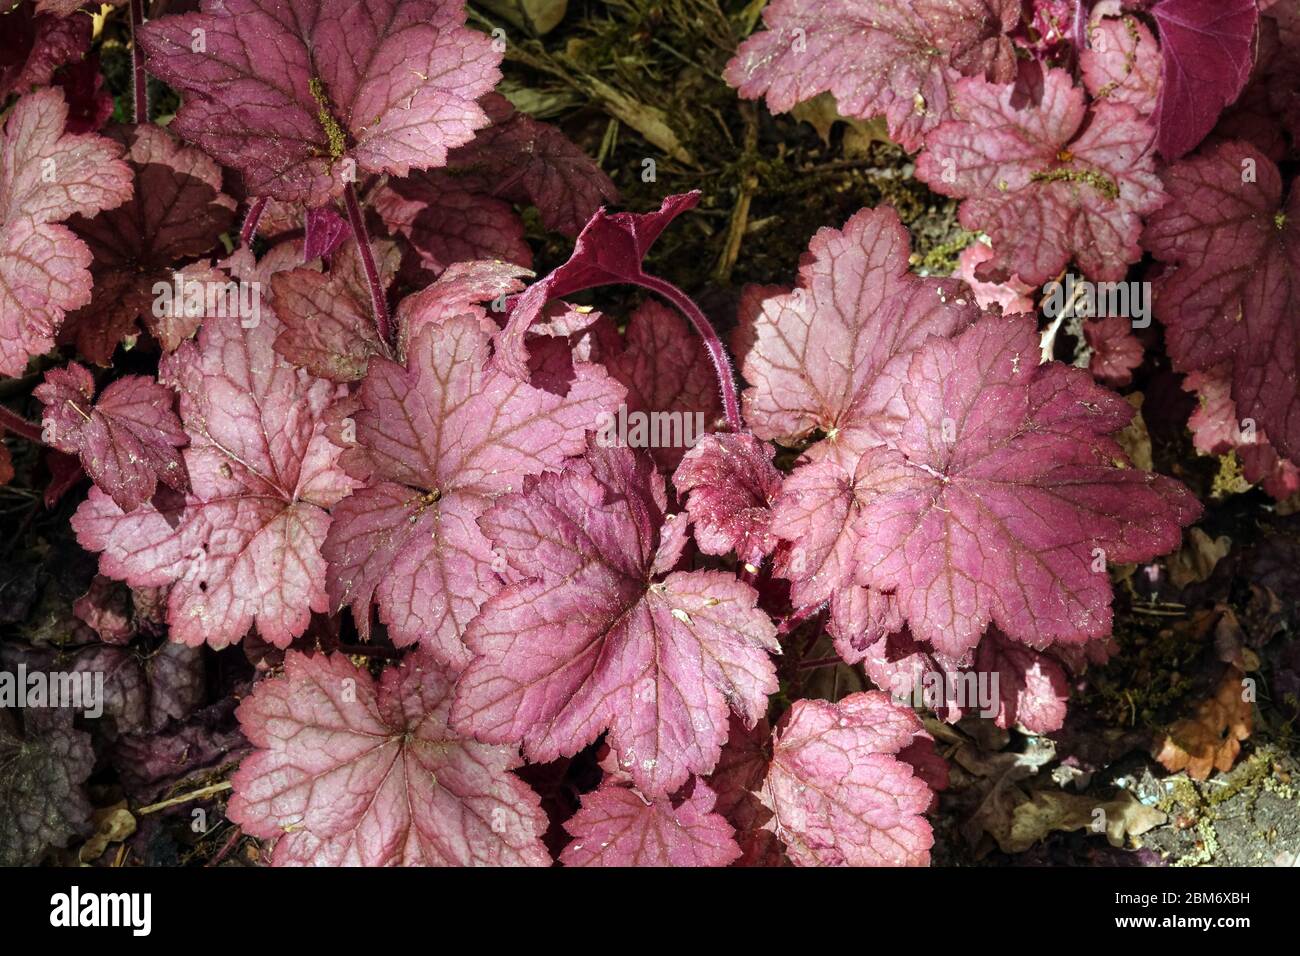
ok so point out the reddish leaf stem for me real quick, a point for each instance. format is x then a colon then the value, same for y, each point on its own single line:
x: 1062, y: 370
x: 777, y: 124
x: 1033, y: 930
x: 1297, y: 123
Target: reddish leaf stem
x: 226, y: 848
x: 251, y: 220
x: 140, y: 85
x: 717, y: 353
x: 11, y: 421
x: 377, y: 300
x: 798, y: 617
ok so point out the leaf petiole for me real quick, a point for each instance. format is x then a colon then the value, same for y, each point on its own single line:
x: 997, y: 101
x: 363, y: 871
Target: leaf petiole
x: 378, y: 303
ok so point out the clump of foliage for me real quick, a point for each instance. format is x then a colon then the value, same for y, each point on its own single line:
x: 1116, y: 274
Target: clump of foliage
x: 438, y: 523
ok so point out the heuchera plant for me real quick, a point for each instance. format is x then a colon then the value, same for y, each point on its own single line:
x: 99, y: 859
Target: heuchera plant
x: 351, y: 413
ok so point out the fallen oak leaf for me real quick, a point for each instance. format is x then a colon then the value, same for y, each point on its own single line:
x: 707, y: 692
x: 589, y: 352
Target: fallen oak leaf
x: 1211, y: 738
x: 1047, y: 811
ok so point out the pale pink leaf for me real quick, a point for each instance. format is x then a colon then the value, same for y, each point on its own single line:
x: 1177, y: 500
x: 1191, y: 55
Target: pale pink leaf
x: 730, y: 483
x: 443, y: 435
x: 47, y: 175
x: 1050, y: 180
x: 1004, y: 495
x: 616, y: 826
x: 1116, y: 351
x: 353, y: 772
x: 244, y: 548
x: 899, y: 58
x: 1121, y: 63
x: 839, y: 793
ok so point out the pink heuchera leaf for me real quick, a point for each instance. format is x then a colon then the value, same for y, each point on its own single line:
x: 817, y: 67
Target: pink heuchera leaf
x: 177, y: 212
x: 1231, y: 297
x: 328, y: 326
x: 43, y: 766
x: 594, y: 636
x: 1010, y: 296
x: 1217, y: 431
x: 818, y: 359
x: 458, y: 291
x: 1208, y: 48
x: 860, y: 616
x: 1003, y: 496
x: 34, y: 45
x: 128, y: 440
x: 608, y: 250
x: 300, y: 96
x: 616, y: 826
x: 730, y: 483
x: 669, y: 381
x: 829, y: 358
x: 1116, y: 351
x: 244, y: 547
x: 1121, y: 63
x: 324, y: 230
x: 444, y: 435
x: 1049, y: 180
x: 839, y: 793
x: 1032, y: 687
x: 47, y: 175
x: 899, y: 58
x: 353, y: 772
